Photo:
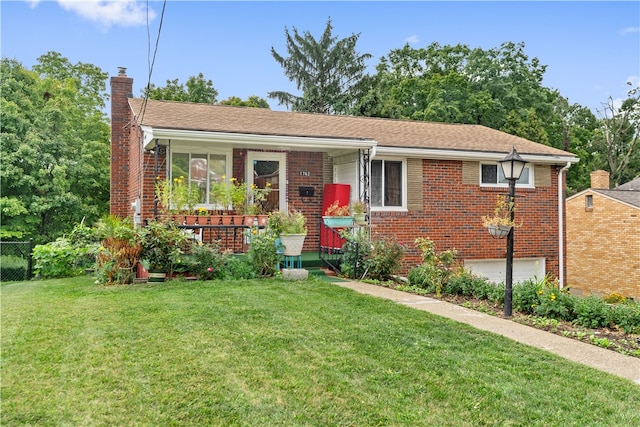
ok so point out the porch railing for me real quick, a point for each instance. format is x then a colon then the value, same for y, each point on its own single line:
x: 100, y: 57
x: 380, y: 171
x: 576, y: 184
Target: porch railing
x: 230, y: 237
x: 331, y: 243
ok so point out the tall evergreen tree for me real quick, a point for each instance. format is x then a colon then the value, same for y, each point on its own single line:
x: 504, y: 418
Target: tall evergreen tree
x: 329, y: 72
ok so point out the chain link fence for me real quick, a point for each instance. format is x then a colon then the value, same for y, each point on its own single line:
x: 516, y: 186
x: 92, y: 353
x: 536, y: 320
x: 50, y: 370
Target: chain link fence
x: 16, y: 262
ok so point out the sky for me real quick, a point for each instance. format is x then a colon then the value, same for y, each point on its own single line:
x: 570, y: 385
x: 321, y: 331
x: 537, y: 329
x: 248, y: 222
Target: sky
x: 591, y: 49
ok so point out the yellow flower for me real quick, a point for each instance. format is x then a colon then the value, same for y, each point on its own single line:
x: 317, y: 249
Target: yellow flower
x: 254, y: 231
x: 553, y: 297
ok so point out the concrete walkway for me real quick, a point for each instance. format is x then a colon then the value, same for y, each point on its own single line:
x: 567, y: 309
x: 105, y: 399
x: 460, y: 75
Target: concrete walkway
x: 587, y: 354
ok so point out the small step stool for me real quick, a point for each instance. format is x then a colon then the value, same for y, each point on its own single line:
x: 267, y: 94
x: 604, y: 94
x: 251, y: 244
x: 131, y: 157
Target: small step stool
x: 293, y: 261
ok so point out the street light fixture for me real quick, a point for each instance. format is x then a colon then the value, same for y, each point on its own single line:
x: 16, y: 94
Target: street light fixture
x: 512, y: 167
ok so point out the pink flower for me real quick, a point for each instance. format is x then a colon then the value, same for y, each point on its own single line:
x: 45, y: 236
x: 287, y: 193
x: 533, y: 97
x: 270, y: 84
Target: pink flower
x: 209, y: 269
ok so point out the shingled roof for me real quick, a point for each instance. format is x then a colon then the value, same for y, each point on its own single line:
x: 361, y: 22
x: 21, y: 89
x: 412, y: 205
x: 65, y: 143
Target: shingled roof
x: 627, y: 193
x: 386, y: 132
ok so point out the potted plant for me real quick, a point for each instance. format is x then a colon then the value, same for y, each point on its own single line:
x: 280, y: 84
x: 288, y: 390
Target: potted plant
x: 291, y: 227
x: 178, y: 197
x: 500, y: 223
x: 162, y: 244
x: 359, y: 212
x: 337, y: 216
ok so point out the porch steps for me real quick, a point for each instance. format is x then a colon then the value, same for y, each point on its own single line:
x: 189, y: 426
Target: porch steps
x: 323, y: 274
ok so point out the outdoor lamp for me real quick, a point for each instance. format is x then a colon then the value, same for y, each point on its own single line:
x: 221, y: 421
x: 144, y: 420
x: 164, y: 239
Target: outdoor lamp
x: 512, y: 167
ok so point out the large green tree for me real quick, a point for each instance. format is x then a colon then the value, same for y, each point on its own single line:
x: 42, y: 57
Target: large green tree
x: 54, y: 146
x: 198, y: 90
x: 500, y: 88
x: 329, y: 72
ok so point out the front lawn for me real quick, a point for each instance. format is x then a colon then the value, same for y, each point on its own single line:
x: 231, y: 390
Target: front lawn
x: 270, y: 352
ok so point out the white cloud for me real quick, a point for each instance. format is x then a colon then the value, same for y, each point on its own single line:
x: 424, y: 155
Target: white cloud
x: 126, y: 13
x: 412, y: 39
x: 630, y: 30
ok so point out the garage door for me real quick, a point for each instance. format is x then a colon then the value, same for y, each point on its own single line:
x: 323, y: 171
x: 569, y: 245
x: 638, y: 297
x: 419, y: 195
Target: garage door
x: 495, y: 269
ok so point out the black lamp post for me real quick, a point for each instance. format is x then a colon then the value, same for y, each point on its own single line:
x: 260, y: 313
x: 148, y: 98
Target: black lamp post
x: 512, y: 167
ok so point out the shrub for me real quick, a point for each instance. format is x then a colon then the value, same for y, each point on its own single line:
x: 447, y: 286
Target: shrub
x: 525, y: 297
x: 208, y: 261
x: 57, y: 259
x: 385, y: 259
x: 553, y: 302
x: 590, y: 312
x: 237, y: 268
x: 162, y: 244
x: 356, y: 250
x: 436, y: 268
x: 263, y: 256
x: 626, y: 315
x: 13, y: 268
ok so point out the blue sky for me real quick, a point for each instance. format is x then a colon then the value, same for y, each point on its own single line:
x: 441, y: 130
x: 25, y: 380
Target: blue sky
x: 591, y: 49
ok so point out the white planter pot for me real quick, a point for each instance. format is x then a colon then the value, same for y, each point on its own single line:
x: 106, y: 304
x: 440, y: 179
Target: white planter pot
x: 292, y: 244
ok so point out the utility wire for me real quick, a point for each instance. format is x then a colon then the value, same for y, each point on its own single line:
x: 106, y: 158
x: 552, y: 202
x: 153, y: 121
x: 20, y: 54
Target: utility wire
x: 151, y: 61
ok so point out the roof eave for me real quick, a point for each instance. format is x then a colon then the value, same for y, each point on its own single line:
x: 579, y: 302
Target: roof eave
x: 254, y: 140
x: 471, y: 155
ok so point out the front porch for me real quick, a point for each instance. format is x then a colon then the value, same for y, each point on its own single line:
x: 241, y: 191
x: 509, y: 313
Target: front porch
x: 236, y: 239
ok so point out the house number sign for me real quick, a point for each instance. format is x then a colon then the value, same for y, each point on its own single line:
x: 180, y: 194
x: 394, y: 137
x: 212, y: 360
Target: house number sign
x: 305, y: 173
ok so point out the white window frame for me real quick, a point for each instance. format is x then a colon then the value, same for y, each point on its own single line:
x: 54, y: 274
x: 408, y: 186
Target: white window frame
x: 228, y: 154
x: 281, y: 157
x: 529, y: 167
x: 403, y: 207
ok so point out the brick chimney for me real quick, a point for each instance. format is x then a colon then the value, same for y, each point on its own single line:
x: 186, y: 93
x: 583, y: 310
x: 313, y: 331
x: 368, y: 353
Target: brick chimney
x: 600, y: 180
x: 121, y: 121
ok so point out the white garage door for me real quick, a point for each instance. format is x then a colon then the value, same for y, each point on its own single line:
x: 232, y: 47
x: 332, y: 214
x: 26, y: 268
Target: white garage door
x: 495, y: 269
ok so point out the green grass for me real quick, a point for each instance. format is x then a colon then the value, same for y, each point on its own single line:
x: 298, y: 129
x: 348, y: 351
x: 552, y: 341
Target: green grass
x: 275, y: 353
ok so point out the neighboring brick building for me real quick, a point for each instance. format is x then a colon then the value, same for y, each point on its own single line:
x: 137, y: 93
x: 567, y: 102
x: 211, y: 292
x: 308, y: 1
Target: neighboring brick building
x: 603, y: 238
x: 422, y: 179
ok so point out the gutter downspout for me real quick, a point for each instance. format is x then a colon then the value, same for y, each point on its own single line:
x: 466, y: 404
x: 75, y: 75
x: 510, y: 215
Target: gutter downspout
x: 561, y: 226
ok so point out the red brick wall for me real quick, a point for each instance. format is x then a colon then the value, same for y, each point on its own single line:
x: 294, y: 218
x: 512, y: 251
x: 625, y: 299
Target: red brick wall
x: 310, y: 206
x: 452, y: 218
x: 121, y: 88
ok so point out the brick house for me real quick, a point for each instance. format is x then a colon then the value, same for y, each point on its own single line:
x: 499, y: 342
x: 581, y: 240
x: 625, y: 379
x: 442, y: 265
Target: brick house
x: 424, y: 179
x: 603, y: 238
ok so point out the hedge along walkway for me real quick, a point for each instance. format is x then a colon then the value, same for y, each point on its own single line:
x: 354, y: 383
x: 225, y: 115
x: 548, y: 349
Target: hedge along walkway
x: 587, y: 354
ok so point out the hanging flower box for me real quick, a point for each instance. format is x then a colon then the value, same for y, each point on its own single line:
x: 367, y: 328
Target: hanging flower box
x: 338, y: 221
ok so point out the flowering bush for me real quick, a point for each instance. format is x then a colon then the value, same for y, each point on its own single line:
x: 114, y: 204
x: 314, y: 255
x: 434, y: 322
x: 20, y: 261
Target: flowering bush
x: 209, y: 261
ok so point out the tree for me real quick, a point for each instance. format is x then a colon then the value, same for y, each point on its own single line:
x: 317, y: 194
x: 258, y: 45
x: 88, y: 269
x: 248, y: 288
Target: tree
x: 329, y: 72
x: 617, y: 138
x: 457, y: 84
x: 198, y: 90
x: 253, y: 101
x: 55, y: 147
